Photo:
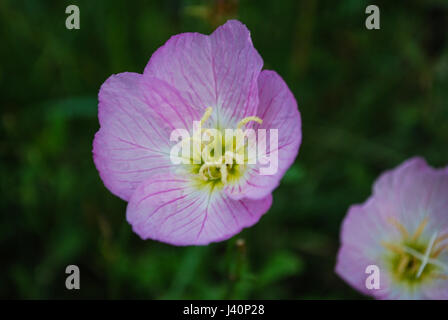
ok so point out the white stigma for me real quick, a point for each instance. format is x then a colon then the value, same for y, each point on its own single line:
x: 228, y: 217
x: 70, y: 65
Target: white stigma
x: 426, y: 256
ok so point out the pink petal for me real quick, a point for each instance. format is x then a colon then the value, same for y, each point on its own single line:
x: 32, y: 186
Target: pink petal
x: 437, y: 290
x: 218, y: 71
x: 171, y: 209
x: 278, y: 110
x: 413, y: 191
x: 351, y: 267
x: 131, y: 144
x: 173, y: 110
x: 361, y: 235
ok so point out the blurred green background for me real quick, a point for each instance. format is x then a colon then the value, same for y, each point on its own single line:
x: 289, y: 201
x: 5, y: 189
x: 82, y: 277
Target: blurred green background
x: 369, y: 100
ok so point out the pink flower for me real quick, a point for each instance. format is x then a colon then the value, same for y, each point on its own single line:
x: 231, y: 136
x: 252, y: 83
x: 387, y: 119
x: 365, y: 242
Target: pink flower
x: 403, y: 230
x: 214, y: 79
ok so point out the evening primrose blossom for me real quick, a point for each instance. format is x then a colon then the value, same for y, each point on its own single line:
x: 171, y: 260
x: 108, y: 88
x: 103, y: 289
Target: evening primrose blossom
x: 402, y: 229
x: 217, y: 190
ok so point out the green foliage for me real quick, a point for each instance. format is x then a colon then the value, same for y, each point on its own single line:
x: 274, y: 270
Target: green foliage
x: 368, y: 100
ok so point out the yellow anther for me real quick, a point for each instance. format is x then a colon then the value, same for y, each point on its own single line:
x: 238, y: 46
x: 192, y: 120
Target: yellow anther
x: 439, y: 250
x: 196, y: 156
x: 223, y: 170
x: 210, y: 174
x: 206, y: 115
x: 248, y: 119
x: 216, y: 143
x: 207, y: 157
x: 441, y: 238
x: 209, y: 146
x: 392, y: 247
x: 201, y: 171
x: 439, y: 276
x: 420, y: 228
x: 412, y: 261
x: 206, y: 166
x: 415, y: 268
x: 403, y: 263
x: 399, y: 226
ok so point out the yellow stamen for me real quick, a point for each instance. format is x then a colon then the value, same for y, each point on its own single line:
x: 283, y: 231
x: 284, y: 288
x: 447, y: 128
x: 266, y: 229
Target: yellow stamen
x: 196, y: 151
x: 415, y: 268
x: 392, y: 247
x: 223, y: 170
x: 206, y: 115
x: 208, y: 151
x: 420, y: 228
x: 216, y: 143
x: 248, y: 119
x: 439, y: 251
x: 399, y: 226
x: 441, y: 238
x: 210, y: 174
x: 412, y: 261
x: 208, y: 158
x: 439, y: 276
x: 203, y: 168
x: 403, y: 263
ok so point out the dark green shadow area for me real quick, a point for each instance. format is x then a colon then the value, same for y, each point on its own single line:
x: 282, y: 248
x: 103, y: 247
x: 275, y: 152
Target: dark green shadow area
x: 368, y: 99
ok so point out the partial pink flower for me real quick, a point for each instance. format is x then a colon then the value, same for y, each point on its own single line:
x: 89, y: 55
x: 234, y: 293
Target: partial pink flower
x: 403, y: 230
x: 214, y: 79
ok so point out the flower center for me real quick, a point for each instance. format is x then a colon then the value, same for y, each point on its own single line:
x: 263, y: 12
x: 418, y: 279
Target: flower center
x: 415, y: 259
x: 222, y: 154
